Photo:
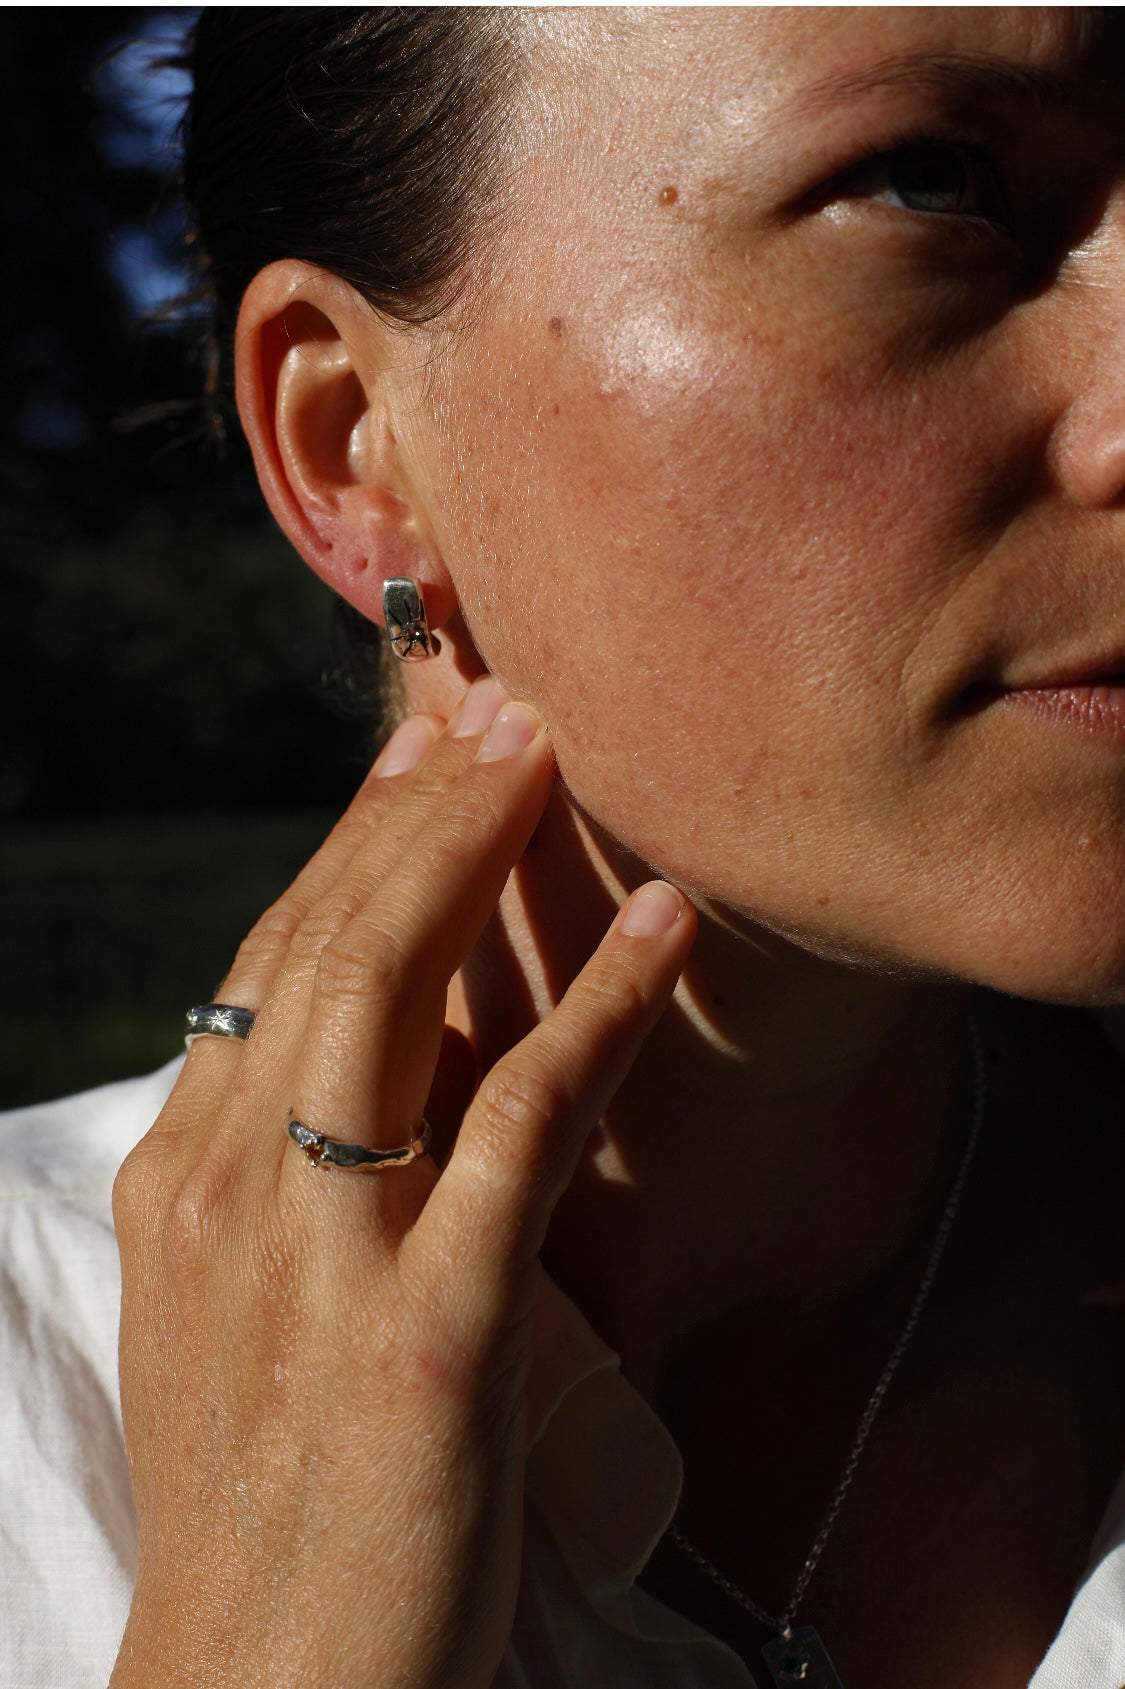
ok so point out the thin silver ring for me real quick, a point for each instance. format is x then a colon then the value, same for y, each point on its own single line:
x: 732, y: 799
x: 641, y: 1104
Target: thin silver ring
x: 324, y: 1151
x: 217, y: 1020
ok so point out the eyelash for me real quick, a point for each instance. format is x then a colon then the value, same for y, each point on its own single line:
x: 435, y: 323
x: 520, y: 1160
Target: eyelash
x: 981, y: 169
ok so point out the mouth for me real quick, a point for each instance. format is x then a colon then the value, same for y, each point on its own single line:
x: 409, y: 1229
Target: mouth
x: 1107, y: 670
x: 1088, y: 697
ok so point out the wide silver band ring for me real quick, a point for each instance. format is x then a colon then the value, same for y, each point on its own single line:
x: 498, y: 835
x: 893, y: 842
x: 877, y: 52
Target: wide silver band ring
x: 323, y: 1151
x: 217, y: 1020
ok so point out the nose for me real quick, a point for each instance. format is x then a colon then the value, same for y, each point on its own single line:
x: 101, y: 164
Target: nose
x: 1088, y: 455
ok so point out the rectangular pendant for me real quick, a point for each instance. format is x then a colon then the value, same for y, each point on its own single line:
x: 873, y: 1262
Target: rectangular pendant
x: 802, y: 1660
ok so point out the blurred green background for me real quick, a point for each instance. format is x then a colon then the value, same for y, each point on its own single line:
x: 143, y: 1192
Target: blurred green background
x: 170, y: 751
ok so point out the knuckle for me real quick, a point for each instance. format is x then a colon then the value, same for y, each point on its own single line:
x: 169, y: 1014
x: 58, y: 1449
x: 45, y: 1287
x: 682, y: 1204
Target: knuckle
x: 610, y: 996
x: 268, y: 941
x: 323, y: 923
x: 431, y: 781
x: 363, y: 961
x: 132, y: 1197
x: 469, y: 811
x: 190, y: 1222
x: 511, y: 1110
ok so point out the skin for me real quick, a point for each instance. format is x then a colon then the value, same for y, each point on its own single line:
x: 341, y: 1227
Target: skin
x: 259, y: 1490
x: 787, y: 429
x: 795, y: 513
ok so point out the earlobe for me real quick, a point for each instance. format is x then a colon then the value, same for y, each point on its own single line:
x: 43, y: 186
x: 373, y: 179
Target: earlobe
x: 316, y: 385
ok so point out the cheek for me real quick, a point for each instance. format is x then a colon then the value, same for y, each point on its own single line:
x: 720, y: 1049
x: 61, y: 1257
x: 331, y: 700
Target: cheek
x: 709, y: 564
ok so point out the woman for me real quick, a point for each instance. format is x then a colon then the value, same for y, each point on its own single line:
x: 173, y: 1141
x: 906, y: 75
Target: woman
x: 738, y: 390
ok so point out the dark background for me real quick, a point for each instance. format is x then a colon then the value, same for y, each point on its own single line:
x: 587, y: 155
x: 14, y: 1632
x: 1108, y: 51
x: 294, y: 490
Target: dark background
x: 170, y: 752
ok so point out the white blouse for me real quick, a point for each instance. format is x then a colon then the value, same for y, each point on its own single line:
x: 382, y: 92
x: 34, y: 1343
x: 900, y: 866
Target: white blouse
x: 603, y: 1476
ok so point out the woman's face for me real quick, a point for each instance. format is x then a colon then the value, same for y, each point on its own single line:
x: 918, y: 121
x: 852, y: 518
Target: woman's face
x: 783, y: 464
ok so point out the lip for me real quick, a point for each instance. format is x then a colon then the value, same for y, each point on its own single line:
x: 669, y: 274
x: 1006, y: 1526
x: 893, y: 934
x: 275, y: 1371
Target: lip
x: 1095, y: 708
x: 1105, y: 670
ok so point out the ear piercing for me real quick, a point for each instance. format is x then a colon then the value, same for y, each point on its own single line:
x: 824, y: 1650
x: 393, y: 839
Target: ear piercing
x: 407, y: 628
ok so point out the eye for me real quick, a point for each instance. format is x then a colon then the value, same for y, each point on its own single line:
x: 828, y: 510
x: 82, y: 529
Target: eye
x: 937, y: 178
x: 930, y: 177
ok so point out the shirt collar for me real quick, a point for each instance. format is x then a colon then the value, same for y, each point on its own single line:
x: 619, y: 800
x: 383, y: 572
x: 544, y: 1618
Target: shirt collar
x: 602, y: 1469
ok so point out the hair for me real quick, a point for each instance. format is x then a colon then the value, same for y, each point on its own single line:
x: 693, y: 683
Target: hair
x: 367, y: 142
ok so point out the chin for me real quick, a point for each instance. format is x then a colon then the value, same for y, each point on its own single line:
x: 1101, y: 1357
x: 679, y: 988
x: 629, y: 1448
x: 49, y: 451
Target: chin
x: 1042, y: 949
x: 1074, y: 976
x: 1060, y: 940
x: 1080, y: 981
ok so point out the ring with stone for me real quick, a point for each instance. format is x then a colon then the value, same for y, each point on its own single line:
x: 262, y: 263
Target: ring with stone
x: 324, y: 1151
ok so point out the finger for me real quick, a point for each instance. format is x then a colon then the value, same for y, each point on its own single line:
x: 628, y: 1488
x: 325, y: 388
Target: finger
x: 377, y: 1012
x: 521, y: 1139
x: 267, y: 945
x: 211, y: 1061
x: 406, y: 783
x: 280, y: 958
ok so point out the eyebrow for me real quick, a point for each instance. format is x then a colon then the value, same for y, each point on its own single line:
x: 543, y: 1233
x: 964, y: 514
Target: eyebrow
x: 948, y: 72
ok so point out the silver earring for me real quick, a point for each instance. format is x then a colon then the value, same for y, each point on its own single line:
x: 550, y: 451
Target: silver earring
x: 405, y: 613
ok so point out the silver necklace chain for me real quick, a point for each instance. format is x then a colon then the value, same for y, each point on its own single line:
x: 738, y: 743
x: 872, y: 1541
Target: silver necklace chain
x: 783, y: 1622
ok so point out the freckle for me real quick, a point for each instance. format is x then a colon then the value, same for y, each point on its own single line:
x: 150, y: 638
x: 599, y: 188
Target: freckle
x: 557, y: 327
x: 823, y: 902
x: 668, y: 195
x: 554, y: 410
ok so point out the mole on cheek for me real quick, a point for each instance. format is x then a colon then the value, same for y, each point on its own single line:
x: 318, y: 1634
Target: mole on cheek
x: 668, y: 195
x: 557, y: 327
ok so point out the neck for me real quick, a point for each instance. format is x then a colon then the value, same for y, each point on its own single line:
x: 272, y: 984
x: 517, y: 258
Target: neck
x: 782, y: 1147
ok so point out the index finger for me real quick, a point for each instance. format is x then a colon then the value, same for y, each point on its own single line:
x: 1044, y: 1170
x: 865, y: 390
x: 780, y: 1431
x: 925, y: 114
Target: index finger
x: 522, y: 1136
x: 266, y: 945
x: 388, y: 786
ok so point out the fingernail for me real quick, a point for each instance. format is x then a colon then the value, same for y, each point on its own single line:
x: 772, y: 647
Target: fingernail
x: 652, y: 910
x: 405, y: 748
x: 478, y: 707
x: 513, y: 730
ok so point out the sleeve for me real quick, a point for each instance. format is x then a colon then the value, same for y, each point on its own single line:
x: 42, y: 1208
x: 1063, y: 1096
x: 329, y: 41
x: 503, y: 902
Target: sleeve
x: 67, y: 1534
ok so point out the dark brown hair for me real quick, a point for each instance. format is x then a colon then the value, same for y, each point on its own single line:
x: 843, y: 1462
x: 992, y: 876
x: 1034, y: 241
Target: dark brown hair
x: 362, y: 141
x: 367, y: 142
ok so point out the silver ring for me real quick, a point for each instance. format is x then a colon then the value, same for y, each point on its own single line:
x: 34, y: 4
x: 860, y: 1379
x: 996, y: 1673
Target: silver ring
x: 217, y: 1020
x: 323, y: 1151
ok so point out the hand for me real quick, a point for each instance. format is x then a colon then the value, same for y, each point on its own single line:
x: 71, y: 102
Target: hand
x: 323, y: 1373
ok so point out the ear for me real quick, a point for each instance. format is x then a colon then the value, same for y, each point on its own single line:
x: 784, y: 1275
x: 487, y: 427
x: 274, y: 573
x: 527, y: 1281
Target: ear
x: 318, y: 380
